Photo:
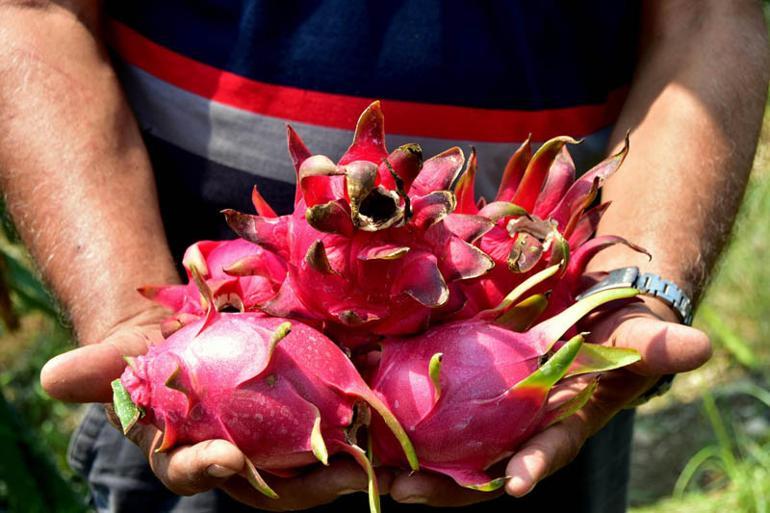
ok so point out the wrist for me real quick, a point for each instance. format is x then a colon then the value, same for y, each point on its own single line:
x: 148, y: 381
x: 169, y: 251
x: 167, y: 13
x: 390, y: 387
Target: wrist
x: 660, y: 264
x: 668, y: 296
x: 95, y: 316
x: 661, y: 309
x: 97, y: 328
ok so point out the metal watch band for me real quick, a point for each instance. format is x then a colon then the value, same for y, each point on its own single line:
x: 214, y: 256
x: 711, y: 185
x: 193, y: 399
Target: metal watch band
x: 649, y: 284
x: 652, y: 285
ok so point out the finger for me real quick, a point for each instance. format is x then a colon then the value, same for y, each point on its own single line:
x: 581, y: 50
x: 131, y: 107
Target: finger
x: 112, y: 417
x: 665, y: 347
x: 193, y: 469
x: 435, y: 490
x: 544, y: 454
x: 550, y: 450
x: 320, y: 486
x: 190, y: 469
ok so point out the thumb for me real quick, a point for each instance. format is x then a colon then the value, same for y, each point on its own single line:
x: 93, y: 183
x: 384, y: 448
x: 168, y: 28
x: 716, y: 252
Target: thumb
x: 83, y: 375
x: 665, y: 347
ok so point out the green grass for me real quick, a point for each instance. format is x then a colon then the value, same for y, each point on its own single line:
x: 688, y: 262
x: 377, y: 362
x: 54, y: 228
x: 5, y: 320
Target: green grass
x: 732, y: 474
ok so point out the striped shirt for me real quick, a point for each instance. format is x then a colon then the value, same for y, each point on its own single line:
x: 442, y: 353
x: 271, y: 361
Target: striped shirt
x: 213, y: 83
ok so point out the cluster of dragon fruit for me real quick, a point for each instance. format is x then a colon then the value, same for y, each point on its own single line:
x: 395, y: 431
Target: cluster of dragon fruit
x: 391, y: 316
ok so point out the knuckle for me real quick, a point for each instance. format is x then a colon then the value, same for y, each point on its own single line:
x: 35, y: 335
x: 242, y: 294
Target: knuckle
x: 575, y: 440
x: 182, y: 481
x: 541, y: 447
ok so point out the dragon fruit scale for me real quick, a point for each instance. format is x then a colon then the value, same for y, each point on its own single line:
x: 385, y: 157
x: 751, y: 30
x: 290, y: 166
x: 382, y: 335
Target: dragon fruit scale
x: 386, y: 244
x: 240, y: 275
x: 282, y: 392
x: 541, y: 217
x: 470, y: 392
x: 372, y: 247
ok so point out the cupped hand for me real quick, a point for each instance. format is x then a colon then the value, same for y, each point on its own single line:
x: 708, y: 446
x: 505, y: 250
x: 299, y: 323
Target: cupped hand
x: 192, y: 469
x: 666, y: 347
x: 84, y: 375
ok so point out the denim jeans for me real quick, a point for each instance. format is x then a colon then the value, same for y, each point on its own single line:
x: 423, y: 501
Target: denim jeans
x: 121, y: 480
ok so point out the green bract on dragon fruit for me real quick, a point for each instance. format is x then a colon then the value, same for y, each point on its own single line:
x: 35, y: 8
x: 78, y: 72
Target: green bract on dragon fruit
x: 470, y: 392
x: 467, y: 306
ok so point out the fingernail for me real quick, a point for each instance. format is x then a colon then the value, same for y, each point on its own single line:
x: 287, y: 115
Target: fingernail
x: 219, y: 471
x: 518, y: 483
x: 414, y: 499
x: 348, y: 491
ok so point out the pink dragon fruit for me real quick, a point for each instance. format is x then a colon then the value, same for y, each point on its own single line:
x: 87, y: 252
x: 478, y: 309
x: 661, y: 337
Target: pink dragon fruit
x: 281, y: 392
x: 241, y: 275
x: 470, y: 392
x: 542, y: 217
x: 370, y: 246
x: 385, y: 245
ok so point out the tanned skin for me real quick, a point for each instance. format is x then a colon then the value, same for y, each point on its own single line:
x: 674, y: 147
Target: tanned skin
x: 78, y: 183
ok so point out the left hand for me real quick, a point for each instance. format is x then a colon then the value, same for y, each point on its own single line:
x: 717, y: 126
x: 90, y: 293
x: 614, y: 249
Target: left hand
x: 666, y: 347
x: 84, y: 375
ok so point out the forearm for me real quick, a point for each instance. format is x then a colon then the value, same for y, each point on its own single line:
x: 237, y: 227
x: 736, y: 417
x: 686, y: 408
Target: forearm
x: 73, y: 167
x: 695, y: 110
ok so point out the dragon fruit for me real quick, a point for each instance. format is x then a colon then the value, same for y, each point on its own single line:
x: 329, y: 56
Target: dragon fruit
x: 241, y: 276
x: 541, y: 217
x: 385, y: 247
x: 281, y: 392
x: 371, y: 249
x: 469, y: 392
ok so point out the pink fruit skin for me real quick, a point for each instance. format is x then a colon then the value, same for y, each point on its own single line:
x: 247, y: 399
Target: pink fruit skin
x: 234, y: 390
x: 239, y: 273
x: 371, y: 247
x: 544, y: 185
x: 475, y: 422
x: 469, y: 392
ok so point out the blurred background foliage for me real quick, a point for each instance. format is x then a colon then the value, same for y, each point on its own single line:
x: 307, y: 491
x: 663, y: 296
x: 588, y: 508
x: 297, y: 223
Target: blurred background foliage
x: 705, y: 446
x: 34, y: 429
x: 702, y: 448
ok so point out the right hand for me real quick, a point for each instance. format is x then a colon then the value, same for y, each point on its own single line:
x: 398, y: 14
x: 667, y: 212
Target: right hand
x: 84, y: 375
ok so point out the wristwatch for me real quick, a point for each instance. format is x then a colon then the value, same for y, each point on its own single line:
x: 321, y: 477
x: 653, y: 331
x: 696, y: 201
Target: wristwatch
x: 648, y: 284
x: 651, y: 285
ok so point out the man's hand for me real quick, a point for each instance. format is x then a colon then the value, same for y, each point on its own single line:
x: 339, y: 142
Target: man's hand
x: 84, y: 375
x: 666, y: 347
x: 77, y: 181
x: 192, y: 469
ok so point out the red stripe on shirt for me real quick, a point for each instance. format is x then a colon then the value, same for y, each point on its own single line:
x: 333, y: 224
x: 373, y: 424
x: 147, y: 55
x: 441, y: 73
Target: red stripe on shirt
x: 341, y: 111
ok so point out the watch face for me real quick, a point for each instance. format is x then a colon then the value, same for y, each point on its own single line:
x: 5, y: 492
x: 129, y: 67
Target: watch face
x: 617, y: 279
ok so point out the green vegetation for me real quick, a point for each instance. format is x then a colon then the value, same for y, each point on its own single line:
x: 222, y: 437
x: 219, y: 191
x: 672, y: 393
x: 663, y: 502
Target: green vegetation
x: 34, y: 429
x: 730, y: 474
